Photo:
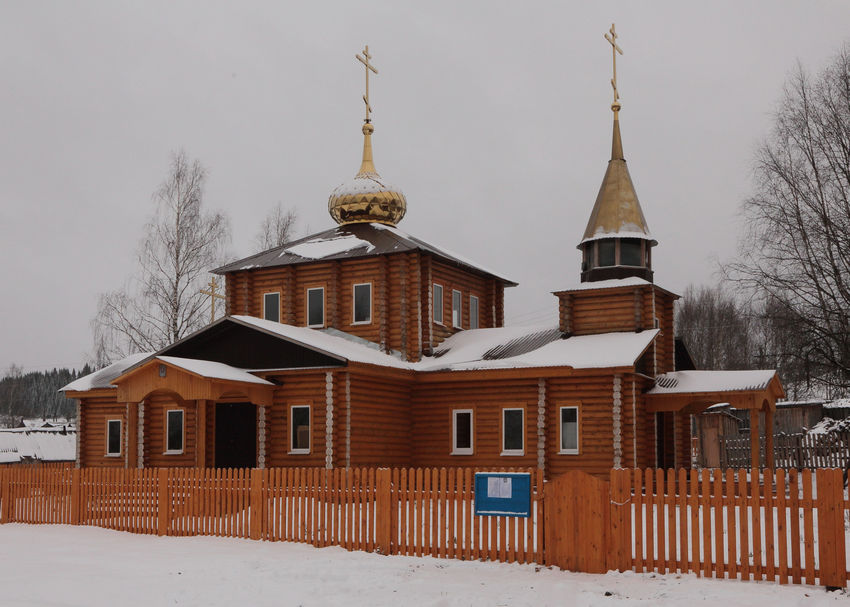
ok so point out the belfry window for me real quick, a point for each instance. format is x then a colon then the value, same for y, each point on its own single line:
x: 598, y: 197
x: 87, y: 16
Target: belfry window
x: 606, y: 250
x: 630, y: 253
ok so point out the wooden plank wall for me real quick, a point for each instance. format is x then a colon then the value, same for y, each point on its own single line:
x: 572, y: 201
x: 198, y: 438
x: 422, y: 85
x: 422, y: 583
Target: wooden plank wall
x: 380, y: 422
x: 156, y: 406
x: 304, y: 388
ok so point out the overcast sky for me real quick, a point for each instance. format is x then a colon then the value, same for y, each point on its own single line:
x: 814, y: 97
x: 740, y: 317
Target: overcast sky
x: 493, y: 118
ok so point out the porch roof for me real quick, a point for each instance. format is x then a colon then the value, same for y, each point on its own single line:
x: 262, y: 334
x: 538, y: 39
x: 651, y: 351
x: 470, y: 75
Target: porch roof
x: 694, y: 391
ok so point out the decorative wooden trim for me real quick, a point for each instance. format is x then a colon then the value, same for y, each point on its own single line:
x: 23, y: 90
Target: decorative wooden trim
x: 79, y: 434
x: 261, y: 437
x: 140, y: 437
x: 383, y: 305
x: 329, y: 420
x: 616, y: 424
x: 541, y: 424
x: 348, y: 420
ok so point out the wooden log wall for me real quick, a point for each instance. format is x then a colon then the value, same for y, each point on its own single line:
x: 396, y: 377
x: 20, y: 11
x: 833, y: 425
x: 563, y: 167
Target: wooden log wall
x: 94, y: 413
x: 156, y: 406
x: 401, y: 286
x: 301, y: 389
x: 431, y: 408
x: 380, y: 421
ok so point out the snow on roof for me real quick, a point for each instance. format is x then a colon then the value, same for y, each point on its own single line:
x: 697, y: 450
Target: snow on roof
x: 612, y: 283
x: 578, y: 352
x: 629, y: 231
x: 679, y: 382
x: 841, y: 403
x: 325, y: 342
x: 43, y: 446
x: 213, y: 370
x: 103, y: 378
x: 319, y: 248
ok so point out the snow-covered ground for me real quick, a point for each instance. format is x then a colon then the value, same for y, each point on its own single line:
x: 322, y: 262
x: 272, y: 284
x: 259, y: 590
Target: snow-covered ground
x: 64, y: 565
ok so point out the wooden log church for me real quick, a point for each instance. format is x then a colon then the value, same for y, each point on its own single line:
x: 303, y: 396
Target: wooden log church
x: 365, y: 346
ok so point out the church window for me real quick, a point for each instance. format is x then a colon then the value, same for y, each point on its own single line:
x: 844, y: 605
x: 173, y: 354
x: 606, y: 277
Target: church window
x: 438, y: 303
x: 174, y: 432
x: 606, y: 250
x: 457, y: 308
x: 363, y: 303
x: 299, y: 429
x: 513, y: 432
x: 316, y: 307
x: 462, y: 432
x: 473, y: 312
x: 271, y: 306
x: 630, y: 253
x: 113, y: 437
x: 569, y: 430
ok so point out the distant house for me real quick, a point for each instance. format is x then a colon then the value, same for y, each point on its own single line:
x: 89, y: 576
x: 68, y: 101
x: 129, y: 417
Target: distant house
x: 37, y: 445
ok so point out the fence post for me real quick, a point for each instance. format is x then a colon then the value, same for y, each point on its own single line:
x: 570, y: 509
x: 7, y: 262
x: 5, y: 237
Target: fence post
x: 256, y: 522
x: 5, y: 497
x: 383, y: 516
x: 830, y: 505
x: 75, y: 496
x: 163, y: 506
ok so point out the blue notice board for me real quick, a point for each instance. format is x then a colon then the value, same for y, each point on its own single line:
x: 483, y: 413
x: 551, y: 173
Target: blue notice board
x: 503, y: 494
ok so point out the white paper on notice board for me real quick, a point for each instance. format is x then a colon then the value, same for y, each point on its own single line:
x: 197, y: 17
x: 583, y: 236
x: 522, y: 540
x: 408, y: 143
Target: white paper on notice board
x: 499, y: 486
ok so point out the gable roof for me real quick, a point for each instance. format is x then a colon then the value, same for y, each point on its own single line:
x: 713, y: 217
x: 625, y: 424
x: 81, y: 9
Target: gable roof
x: 103, y: 378
x: 350, y: 242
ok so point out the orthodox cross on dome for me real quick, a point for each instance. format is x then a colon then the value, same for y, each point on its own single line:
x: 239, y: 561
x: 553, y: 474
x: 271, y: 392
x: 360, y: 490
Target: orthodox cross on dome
x: 365, y: 61
x: 612, y: 39
x: 213, y: 287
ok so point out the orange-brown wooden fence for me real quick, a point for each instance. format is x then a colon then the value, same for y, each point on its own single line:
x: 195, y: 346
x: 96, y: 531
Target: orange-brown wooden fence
x: 788, y: 527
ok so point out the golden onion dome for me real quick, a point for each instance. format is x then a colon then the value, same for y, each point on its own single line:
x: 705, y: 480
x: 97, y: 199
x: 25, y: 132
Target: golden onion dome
x: 367, y: 198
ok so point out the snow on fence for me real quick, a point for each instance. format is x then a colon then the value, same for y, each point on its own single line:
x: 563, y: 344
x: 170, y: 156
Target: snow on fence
x: 787, y: 527
x: 812, y: 450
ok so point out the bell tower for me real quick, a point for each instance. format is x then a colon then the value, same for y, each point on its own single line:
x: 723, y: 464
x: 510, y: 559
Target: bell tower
x: 617, y: 242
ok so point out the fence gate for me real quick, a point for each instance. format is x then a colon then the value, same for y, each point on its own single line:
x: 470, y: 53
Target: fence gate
x: 577, y: 520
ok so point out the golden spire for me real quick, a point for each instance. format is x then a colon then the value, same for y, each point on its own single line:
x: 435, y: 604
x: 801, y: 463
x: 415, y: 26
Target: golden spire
x: 367, y: 198
x: 617, y: 211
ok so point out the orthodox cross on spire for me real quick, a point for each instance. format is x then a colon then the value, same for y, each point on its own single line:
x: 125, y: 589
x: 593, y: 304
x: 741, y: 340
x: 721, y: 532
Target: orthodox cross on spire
x: 612, y: 39
x: 213, y: 287
x: 365, y: 61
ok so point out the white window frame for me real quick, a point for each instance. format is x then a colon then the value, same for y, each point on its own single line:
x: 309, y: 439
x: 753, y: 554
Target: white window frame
x: 513, y: 452
x: 354, y: 320
x: 265, y: 304
x: 109, y: 453
x: 463, y: 450
x: 182, y: 431
x: 561, y: 450
x: 292, y: 449
x: 474, y: 320
x: 459, y: 309
x: 307, y: 306
x: 438, y: 305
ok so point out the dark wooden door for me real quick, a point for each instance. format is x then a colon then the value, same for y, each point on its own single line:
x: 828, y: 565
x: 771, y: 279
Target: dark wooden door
x: 235, y: 435
x: 578, y: 514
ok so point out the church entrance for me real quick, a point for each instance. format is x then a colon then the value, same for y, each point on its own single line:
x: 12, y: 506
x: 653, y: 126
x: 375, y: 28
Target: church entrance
x: 235, y: 435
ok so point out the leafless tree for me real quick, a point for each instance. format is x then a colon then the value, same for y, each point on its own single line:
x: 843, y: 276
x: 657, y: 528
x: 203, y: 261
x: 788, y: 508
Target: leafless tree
x: 794, y: 256
x: 277, y: 229
x: 717, y: 328
x: 162, y: 302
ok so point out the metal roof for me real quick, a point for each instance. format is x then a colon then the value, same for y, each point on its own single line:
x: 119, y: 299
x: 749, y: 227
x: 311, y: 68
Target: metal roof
x: 355, y: 241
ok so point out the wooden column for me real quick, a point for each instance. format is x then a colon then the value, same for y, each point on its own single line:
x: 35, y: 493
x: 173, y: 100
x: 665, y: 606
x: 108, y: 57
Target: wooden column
x: 201, y: 432
x: 754, y: 443
x: 768, y: 438
x: 132, y: 454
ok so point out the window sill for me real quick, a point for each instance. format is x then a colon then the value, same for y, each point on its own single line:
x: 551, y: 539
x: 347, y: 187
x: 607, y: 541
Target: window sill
x: 462, y: 452
x: 298, y: 452
x: 457, y: 327
x: 568, y: 452
x: 174, y: 452
x: 439, y: 322
x: 112, y: 455
x: 322, y: 326
x: 512, y: 453
x: 362, y: 322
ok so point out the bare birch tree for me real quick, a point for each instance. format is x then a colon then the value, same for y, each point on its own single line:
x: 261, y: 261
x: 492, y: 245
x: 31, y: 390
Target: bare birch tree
x: 162, y: 302
x: 794, y: 256
x: 277, y: 229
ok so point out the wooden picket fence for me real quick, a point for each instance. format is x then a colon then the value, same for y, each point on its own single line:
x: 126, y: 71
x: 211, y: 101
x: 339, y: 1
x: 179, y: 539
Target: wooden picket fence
x: 399, y: 511
x: 786, y: 527
x: 827, y: 450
